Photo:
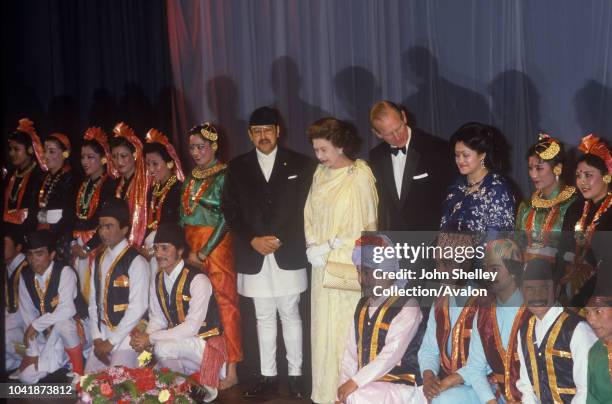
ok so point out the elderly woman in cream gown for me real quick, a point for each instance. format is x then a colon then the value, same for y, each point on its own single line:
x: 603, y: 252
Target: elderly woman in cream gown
x: 341, y: 204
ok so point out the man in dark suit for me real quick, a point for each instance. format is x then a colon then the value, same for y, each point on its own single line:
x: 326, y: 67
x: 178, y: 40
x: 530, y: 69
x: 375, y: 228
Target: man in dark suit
x: 263, y: 203
x: 412, y: 170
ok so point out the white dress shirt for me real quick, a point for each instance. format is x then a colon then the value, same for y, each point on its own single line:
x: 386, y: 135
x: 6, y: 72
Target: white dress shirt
x: 65, y: 308
x: 401, y: 331
x: 398, y: 162
x: 200, y: 291
x: 580, y: 344
x: 138, y: 299
x: 271, y: 281
x: 17, y: 260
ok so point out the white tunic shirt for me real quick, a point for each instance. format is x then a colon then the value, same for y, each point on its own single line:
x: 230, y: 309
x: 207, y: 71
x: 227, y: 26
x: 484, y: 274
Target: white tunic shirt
x: 138, y: 298
x: 271, y: 281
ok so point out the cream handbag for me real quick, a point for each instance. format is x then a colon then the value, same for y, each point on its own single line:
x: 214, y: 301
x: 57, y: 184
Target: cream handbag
x: 338, y: 275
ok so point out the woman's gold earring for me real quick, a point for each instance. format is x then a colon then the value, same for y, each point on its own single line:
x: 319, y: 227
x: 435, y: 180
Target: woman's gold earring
x: 30, y: 150
x: 557, y: 171
x: 103, y: 160
x: 170, y: 165
x: 607, y: 178
x: 65, y: 154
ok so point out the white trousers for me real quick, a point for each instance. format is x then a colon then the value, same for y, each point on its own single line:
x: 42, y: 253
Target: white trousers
x: 120, y: 357
x: 50, y: 351
x: 14, y: 330
x: 184, y: 356
x: 387, y: 393
x: 289, y: 312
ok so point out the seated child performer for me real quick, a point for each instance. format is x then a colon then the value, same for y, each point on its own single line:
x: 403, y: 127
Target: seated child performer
x: 14, y: 261
x: 184, y: 328
x: 375, y: 367
x: 599, y: 316
x: 49, y: 299
x: 553, y: 343
x: 118, y: 290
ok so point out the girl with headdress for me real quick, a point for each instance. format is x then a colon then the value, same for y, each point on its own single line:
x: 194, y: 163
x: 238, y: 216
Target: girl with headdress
x: 541, y: 218
x: 210, y: 244
x: 99, y: 185
x: 591, y: 214
x: 128, y: 159
x: 24, y: 179
x: 57, y: 194
x: 166, y: 175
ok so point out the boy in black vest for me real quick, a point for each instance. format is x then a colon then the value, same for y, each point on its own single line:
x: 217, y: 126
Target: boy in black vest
x: 184, y: 330
x: 376, y: 366
x: 118, y: 291
x: 553, y: 343
x: 14, y: 262
x: 49, y: 299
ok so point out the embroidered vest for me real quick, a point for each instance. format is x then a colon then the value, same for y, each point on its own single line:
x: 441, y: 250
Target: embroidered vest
x: 550, y: 365
x: 460, y: 334
x: 504, y: 363
x: 11, y: 287
x: 176, y: 305
x: 370, y: 334
x: 115, y: 287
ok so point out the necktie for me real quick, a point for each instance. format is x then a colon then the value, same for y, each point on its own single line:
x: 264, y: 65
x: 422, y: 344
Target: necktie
x: 395, y: 150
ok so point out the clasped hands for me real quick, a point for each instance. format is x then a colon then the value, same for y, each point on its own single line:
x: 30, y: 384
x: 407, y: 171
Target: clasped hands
x: 102, y: 350
x: 317, y: 253
x: 265, y: 244
x: 139, y: 340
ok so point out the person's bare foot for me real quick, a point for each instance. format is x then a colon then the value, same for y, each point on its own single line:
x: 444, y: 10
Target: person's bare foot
x: 231, y: 378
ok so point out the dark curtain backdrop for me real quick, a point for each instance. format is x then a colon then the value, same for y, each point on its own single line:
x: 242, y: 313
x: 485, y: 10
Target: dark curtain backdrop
x: 71, y: 64
x: 525, y: 66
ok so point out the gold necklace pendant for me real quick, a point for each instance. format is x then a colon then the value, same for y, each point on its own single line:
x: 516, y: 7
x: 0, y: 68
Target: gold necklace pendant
x: 203, y: 173
x: 540, y: 203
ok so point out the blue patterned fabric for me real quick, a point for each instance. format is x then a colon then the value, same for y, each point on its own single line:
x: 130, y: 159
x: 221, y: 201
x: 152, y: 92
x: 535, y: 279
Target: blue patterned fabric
x: 487, y: 211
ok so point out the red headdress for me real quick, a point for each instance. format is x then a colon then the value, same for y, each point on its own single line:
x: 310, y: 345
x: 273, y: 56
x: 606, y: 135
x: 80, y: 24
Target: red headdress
x: 97, y: 135
x: 591, y: 144
x: 155, y: 136
x: 137, y: 197
x: 27, y: 126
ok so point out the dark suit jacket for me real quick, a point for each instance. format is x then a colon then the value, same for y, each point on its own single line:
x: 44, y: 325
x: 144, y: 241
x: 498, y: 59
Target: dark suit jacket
x: 254, y: 207
x: 420, y: 204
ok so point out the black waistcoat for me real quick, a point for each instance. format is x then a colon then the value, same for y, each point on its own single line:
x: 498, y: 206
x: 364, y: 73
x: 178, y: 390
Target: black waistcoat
x: 176, y: 305
x: 115, y: 286
x: 370, y: 334
x: 11, y: 286
x: 550, y: 365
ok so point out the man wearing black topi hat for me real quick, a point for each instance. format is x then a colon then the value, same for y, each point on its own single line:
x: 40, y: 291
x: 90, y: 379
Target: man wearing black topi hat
x: 263, y: 202
x: 14, y: 262
x: 184, y: 328
x: 599, y: 316
x: 553, y: 344
x: 118, y: 290
x: 49, y: 299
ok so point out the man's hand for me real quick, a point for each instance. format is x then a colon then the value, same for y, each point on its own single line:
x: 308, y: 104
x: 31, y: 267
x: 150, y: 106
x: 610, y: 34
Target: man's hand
x: 451, y: 381
x: 431, y: 385
x: 30, y: 333
x: 102, y: 350
x: 139, y: 341
x: 27, y: 361
x: 346, y: 390
x: 194, y: 260
x: 78, y: 251
x: 265, y: 244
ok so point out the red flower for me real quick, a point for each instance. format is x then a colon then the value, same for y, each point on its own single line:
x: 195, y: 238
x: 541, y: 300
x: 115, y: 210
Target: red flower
x: 106, y: 390
x: 123, y: 402
x: 164, y: 370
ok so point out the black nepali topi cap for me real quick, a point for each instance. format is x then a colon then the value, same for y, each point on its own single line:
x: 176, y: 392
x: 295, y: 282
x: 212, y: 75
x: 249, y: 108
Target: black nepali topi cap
x: 538, y: 269
x: 171, y: 233
x: 118, y: 209
x: 40, y: 238
x: 264, y: 116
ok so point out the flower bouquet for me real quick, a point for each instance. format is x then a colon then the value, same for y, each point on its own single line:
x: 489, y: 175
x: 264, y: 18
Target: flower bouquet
x: 143, y: 385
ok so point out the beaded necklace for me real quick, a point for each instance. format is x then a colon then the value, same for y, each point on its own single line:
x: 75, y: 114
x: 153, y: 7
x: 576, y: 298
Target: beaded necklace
x: 88, y: 202
x: 157, y: 201
x: 48, y: 186
x: 190, y: 200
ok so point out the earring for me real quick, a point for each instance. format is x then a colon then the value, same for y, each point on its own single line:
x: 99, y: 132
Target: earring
x: 214, y: 146
x: 65, y: 154
x: 30, y: 150
x: 557, y: 171
x: 103, y: 160
x: 482, y: 163
x: 170, y: 165
x: 607, y: 178
x: 134, y: 155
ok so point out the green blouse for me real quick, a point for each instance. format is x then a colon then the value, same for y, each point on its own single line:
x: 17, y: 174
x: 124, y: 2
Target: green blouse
x: 206, y: 211
x: 599, y: 382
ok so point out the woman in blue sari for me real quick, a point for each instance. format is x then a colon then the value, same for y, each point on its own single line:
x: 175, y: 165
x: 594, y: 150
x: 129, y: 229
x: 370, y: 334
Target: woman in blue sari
x: 480, y: 201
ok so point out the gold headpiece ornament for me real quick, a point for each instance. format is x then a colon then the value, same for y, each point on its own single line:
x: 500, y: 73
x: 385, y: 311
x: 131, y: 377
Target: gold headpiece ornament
x: 27, y: 126
x: 547, y: 147
x: 207, y: 132
x: 97, y: 135
x: 591, y: 144
x: 155, y: 136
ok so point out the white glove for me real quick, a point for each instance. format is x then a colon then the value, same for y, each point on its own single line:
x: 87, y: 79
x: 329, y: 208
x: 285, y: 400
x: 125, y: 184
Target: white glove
x: 335, y: 243
x: 316, y: 254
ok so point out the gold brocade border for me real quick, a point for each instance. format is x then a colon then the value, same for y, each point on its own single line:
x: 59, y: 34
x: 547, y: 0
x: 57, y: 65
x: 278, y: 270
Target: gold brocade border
x: 179, y: 296
x: 446, y: 363
x: 360, y: 341
x: 532, y: 357
x: 160, y: 292
x: 17, y: 275
x: 608, y: 346
x: 41, y: 294
x: 210, y: 333
x: 379, y: 318
x: 459, y: 334
x: 507, y: 355
x: 409, y: 377
x: 550, y: 366
x: 111, y: 269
